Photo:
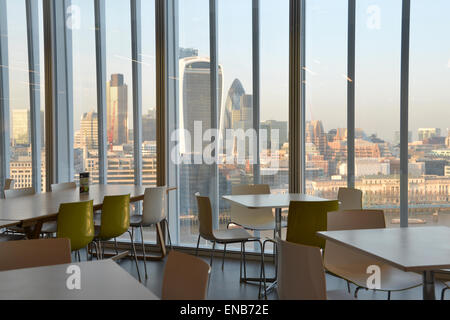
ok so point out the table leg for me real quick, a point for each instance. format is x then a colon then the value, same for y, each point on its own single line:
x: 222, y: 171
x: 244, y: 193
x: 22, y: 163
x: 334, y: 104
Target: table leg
x: 278, y: 222
x: 428, y: 286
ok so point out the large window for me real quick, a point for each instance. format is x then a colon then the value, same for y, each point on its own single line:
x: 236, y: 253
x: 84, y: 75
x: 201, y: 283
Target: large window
x: 119, y: 101
x: 377, y: 87
x: 429, y: 148
x: 326, y: 97
x: 85, y: 111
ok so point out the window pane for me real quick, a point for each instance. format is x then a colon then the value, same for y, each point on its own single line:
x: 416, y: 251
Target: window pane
x: 148, y: 93
x: 377, y: 105
x: 429, y: 152
x: 194, y: 105
x: 326, y: 96
x: 84, y: 90
x: 119, y: 99
x: 20, y: 125
x: 236, y: 97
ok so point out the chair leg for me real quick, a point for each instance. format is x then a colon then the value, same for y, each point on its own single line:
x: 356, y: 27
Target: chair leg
x: 443, y: 293
x: 389, y: 295
x: 78, y: 255
x: 143, y: 251
x: 134, y: 254
x: 240, y: 265
x: 356, y: 292
x: 223, y: 257
x: 168, y: 234
x: 348, y: 287
x: 212, y: 253
x: 198, y: 244
x: 115, y: 246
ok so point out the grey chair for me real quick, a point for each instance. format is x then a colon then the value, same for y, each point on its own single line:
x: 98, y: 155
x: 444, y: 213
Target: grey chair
x: 223, y: 237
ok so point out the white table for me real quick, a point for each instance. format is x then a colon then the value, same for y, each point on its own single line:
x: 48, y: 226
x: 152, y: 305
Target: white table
x: 424, y: 250
x: 273, y: 201
x: 100, y: 280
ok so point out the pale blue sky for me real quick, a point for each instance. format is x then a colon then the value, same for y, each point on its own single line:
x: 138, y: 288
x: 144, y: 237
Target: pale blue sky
x: 378, y: 57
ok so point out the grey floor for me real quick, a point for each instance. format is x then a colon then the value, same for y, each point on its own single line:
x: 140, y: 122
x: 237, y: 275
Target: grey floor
x: 224, y: 285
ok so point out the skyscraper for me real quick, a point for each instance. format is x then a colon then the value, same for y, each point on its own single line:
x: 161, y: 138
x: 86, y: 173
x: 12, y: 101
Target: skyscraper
x: 427, y: 133
x: 21, y: 127
x: 117, y: 110
x: 89, y: 130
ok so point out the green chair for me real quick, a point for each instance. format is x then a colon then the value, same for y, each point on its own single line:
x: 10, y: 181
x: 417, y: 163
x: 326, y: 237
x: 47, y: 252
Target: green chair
x: 76, y: 222
x: 305, y: 219
x: 115, y: 221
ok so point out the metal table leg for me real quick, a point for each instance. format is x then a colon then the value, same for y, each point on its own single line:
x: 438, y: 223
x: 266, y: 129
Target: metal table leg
x: 428, y: 286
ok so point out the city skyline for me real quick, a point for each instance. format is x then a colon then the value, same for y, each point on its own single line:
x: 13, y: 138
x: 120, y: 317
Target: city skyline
x: 320, y: 62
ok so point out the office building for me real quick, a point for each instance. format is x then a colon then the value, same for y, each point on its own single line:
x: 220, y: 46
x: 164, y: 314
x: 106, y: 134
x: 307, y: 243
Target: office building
x: 117, y: 110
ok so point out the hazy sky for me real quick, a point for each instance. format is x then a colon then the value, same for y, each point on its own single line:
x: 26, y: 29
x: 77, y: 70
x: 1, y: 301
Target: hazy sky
x: 377, y: 57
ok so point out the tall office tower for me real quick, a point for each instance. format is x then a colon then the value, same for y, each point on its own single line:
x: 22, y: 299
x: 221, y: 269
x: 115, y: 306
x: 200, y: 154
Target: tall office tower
x: 316, y: 134
x: 281, y: 126
x: 21, y: 127
x: 237, y: 112
x: 195, y: 105
x: 117, y: 110
x: 427, y: 133
x: 149, y: 126
x: 89, y: 131
x: 187, y: 53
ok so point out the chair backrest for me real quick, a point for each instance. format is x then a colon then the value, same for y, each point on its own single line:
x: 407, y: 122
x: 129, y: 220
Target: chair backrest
x: 300, y: 272
x: 115, y: 216
x: 305, y: 219
x: 350, y: 199
x: 335, y: 254
x: 185, y: 277
x: 34, y: 253
x: 244, y: 216
x: 16, y: 193
x: 154, y: 208
x: 9, y: 184
x: 205, y: 224
x: 76, y: 222
x: 63, y: 186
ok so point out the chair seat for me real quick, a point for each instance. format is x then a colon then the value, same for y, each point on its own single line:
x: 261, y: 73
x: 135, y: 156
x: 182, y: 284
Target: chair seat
x: 264, y: 226
x: 392, y: 279
x: 136, y: 220
x: 11, y: 237
x: 447, y: 284
x: 49, y: 227
x: 339, y: 295
x: 232, y: 235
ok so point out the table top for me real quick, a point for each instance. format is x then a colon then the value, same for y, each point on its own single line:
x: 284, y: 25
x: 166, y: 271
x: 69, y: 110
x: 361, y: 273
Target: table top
x: 258, y: 201
x: 8, y: 223
x: 46, y: 205
x: 409, y: 249
x: 100, y: 280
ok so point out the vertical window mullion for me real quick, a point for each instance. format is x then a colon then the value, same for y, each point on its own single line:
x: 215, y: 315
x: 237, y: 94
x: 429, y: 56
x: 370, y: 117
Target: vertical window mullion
x: 136, y: 50
x: 404, y: 113
x: 32, y: 13
x: 215, y: 103
x: 351, y: 93
x: 4, y: 101
x: 256, y: 38
x: 100, y: 48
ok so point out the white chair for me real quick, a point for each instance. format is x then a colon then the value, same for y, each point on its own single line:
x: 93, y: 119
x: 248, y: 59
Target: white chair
x: 252, y: 219
x: 352, y: 266
x: 48, y: 228
x: 350, y: 199
x: 301, y: 274
x: 63, y: 186
x: 154, y: 212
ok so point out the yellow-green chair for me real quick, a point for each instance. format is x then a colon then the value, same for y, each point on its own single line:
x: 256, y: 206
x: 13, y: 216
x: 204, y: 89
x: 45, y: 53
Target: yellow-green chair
x: 305, y: 219
x: 115, y: 221
x: 76, y: 222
